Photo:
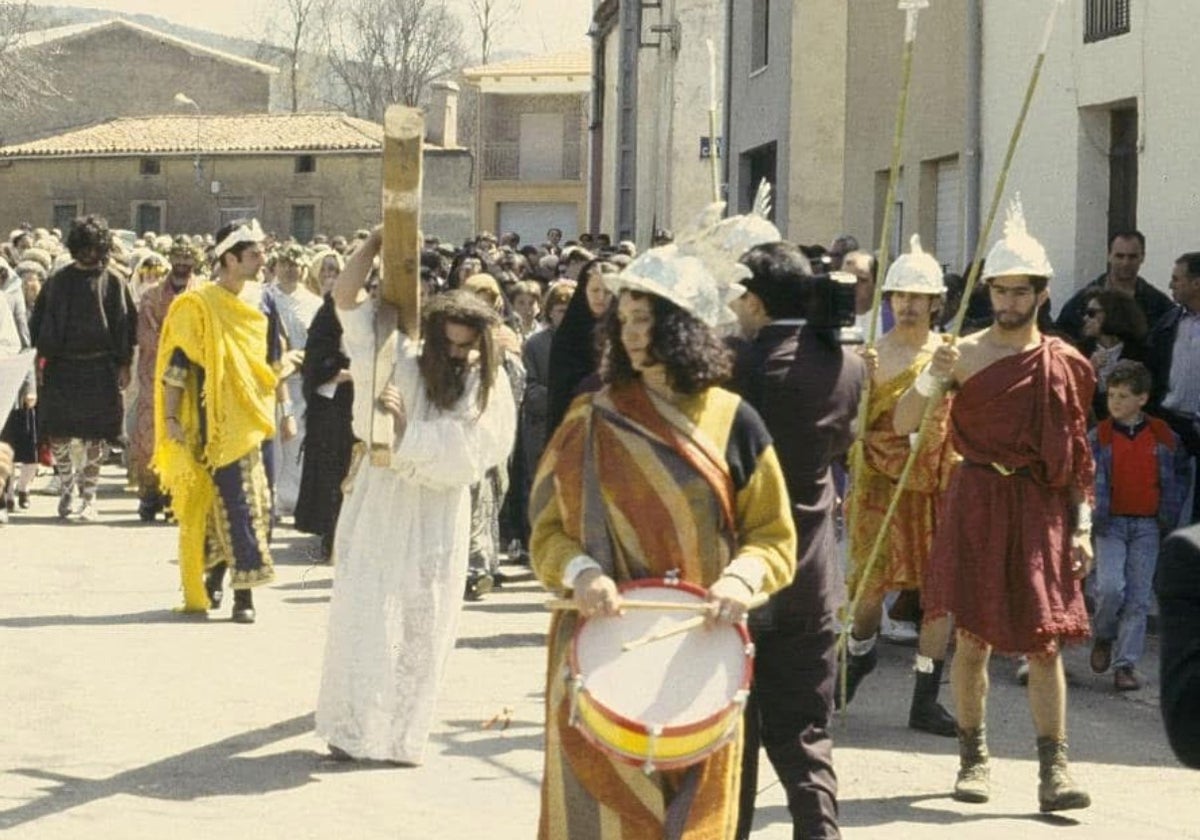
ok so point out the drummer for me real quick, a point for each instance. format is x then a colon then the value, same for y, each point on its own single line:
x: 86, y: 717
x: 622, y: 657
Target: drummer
x: 660, y: 471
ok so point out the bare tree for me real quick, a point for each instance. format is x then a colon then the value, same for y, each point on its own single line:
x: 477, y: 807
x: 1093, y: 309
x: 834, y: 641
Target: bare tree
x: 303, y: 18
x: 24, y: 75
x: 388, y: 51
x: 490, y: 16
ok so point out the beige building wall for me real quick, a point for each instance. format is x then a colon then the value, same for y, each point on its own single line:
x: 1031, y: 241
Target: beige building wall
x: 494, y: 193
x: 607, y: 181
x: 818, y: 119
x: 673, y: 182
x: 119, y: 72
x: 935, y: 129
x: 344, y: 191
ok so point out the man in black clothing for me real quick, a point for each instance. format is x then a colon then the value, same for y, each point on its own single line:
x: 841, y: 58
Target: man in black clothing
x: 1126, y: 252
x: 84, y: 326
x: 1178, y: 589
x: 806, y: 387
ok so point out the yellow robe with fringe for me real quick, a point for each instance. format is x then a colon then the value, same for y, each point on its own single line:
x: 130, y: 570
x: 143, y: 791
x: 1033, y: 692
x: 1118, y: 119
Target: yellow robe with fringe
x: 228, y: 339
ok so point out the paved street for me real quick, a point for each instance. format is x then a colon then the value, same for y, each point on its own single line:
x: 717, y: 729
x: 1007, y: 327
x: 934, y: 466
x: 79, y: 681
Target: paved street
x: 124, y: 720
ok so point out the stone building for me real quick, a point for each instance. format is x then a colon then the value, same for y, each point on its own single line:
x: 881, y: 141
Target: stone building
x: 116, y: 68
x: 532, y: 143
x: 300, y: 174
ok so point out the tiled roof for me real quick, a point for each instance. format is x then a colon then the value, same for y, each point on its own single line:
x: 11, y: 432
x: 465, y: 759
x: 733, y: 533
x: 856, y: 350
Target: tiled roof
x: 571, y: 63
x: 216, y: 134
x: 64, y: 33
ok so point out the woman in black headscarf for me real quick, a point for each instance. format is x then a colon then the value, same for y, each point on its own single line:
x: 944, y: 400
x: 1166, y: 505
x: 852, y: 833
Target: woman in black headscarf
x: 574, y: 354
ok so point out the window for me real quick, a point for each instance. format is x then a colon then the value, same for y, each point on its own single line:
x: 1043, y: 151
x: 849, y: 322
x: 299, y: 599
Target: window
x: 304, y: 222
x: 1104, y: 19
x: 1122, y: 170
x: 149, y: 166
x: 760, y: 34
x: 63, y: 214
x: 148, y: 215
x: 757, y: 165
x: 305, y: 164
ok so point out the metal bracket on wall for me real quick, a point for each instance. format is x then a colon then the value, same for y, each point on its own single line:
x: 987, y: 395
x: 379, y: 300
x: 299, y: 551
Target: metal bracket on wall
x: 672, y: 30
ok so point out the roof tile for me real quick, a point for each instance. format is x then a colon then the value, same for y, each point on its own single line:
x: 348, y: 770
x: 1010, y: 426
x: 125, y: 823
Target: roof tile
x: 306, y: 132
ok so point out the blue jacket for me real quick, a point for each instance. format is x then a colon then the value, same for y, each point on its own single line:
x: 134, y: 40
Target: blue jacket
x: 1174, y: 473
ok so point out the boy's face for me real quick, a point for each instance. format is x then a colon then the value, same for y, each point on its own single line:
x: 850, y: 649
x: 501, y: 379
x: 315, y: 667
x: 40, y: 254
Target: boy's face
x: 1123, y: 404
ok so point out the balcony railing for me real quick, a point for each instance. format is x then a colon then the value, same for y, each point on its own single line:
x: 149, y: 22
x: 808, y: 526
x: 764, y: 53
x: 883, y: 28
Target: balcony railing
x: 502, y: 161
x: 1104, y: 19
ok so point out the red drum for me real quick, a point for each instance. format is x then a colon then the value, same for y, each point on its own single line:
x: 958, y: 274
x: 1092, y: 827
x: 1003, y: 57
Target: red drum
x: 663, y: 705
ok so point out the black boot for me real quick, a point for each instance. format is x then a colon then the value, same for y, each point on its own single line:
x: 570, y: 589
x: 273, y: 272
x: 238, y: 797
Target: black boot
x: 857, y: 667
x: 213, y: 582
x: 243, y: 606
x: 926, y: 713
x: 149, y: 506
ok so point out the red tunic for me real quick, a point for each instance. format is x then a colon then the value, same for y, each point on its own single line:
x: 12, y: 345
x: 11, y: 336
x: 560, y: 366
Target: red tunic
x: 1001, y: 560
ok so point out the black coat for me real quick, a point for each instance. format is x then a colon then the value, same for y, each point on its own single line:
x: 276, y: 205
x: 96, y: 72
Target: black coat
x: 1178, y: 589
x: 807, y: 388
x: 329, y: 431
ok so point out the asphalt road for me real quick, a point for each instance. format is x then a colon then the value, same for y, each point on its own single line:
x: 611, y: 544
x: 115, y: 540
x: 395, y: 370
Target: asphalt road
x: 122, y: 719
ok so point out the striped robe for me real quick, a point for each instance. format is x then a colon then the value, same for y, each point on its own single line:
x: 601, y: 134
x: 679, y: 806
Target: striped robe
x: 685, y: 486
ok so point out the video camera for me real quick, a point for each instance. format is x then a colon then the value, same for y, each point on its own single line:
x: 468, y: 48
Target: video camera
x: 828, y: 302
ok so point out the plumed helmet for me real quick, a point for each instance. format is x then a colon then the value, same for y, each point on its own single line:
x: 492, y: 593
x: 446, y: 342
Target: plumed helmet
x: 700, y: 271
x: 916, y: 272
x: 1017, y: 253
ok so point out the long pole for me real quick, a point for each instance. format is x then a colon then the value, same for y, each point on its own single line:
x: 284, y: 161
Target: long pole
x: 956, y: 329
x: 713, y: 161
x: 912, y: 9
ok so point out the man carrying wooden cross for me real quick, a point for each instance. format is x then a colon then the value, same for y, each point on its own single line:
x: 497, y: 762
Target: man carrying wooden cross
x: 402, y: 535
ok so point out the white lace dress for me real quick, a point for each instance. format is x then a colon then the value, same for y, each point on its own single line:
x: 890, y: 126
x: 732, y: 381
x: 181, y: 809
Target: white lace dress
x: 401, y: 559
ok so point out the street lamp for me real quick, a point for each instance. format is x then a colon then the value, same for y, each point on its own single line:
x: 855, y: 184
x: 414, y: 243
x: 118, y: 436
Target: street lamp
x: 185, y: 101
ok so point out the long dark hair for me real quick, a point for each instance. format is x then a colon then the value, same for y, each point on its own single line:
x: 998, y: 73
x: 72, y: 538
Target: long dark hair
x: 573, y: 352
x: 694, y: 356
x: 444, y: 383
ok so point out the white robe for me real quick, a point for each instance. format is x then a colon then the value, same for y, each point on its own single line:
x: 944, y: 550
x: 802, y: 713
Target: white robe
x: 401, y: 559
x: 296, y: 312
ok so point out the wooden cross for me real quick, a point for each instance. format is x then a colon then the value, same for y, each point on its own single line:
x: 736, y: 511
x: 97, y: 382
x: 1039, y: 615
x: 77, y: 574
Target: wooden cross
x: 400, y: 282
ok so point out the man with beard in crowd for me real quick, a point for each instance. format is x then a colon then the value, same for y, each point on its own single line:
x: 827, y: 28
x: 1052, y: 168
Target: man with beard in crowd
x: 84, y: 326
x: 1014, y: 542
x: 152, y: 311
x: 403, y: 534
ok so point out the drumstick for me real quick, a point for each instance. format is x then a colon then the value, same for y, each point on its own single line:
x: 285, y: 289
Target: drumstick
x: 629, y: 604
x: 684, y: 626
x: 674, y: 630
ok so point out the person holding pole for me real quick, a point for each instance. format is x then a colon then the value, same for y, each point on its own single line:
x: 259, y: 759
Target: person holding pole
x: 914, y: 288
x: 1015, y: 540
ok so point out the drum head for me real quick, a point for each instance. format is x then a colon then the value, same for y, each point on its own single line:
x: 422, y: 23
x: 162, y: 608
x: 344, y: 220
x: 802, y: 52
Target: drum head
x: 678, y: 681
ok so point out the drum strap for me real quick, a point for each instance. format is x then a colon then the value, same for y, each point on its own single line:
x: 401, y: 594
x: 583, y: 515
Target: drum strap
x: 675, y: 820
x: 596, y: 539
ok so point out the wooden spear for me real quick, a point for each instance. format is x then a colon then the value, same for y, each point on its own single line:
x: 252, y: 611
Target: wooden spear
x: 912, y: 10
x: 952, y: 336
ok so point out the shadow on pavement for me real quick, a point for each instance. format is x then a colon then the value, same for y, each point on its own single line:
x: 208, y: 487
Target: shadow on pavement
x: 886, y: 810
x: 490, y: 745
x: 310, y: 599
x: 300, y: 586
x: 148, y: 617
x: 500, y: 606
x: 213, y: 770
x: 502, y: 640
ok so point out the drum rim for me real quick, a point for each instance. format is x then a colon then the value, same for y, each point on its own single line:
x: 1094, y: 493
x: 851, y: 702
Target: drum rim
x: 733, y: 710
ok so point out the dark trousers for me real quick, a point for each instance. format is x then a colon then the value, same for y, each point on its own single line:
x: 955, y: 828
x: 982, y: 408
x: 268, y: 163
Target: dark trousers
x: 789, y: 713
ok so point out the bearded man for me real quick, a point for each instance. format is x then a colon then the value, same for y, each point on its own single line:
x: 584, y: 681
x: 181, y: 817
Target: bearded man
x: 1014, y: 543
x: 152, y: 311
x: 402, y: 537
